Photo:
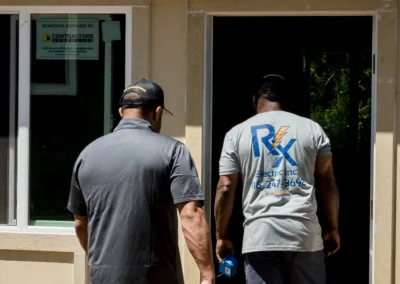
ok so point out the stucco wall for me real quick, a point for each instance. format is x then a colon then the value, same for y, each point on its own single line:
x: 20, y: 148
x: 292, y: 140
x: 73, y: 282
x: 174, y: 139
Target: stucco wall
x: 59, y: 259
x: 164, y: 51
x: 384, y: 210
x: 34, y: 264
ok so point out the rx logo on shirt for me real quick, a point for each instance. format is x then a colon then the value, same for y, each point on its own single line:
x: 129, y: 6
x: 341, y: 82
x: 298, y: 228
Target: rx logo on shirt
x: 273, y: 142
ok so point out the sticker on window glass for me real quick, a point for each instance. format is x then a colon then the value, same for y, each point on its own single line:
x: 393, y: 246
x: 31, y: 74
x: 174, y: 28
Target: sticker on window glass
x: 67, y: 39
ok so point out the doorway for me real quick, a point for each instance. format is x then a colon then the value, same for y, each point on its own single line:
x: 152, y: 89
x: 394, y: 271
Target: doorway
x: 327, y: 62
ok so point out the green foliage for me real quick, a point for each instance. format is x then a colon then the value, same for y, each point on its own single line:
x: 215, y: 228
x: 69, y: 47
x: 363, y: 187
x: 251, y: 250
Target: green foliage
x: 330, y: 97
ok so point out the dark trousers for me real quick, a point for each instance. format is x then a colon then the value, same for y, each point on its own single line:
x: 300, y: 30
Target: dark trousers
x: 285, y: 267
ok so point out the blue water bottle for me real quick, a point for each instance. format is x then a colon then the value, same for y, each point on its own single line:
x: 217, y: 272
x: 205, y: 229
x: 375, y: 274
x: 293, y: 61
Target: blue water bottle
x: 229, y: 267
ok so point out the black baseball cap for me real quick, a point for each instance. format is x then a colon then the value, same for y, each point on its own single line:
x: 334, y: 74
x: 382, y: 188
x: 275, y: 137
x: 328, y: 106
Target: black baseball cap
x: 273, y: 79
x: 273, y: 82
x: 151, y: 94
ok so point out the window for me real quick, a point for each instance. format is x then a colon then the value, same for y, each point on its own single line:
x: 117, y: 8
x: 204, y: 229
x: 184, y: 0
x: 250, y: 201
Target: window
x: 75, y: 66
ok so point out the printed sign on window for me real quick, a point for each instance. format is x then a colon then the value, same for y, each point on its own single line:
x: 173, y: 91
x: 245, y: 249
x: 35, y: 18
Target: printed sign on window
x: 67, y: 39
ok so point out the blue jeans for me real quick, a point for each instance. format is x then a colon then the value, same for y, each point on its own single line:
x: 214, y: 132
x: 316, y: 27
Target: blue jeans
x: 285, y: 267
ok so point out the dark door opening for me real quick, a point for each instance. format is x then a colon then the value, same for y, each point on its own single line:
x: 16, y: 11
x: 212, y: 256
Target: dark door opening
x: 327, y: 61
x: 5, y: 115
x: 8, y: 116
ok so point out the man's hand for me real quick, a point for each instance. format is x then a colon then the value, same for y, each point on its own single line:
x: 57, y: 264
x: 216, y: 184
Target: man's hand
x: 208, y: 281
x: 331, y: 242
x: 222, y: 248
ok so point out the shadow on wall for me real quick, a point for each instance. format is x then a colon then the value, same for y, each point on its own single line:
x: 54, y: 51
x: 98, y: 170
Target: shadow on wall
x: 28, y: 256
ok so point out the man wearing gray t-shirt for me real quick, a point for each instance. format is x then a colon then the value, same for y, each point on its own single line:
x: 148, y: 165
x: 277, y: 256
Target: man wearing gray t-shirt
x: 277, y: 154
x: 125, y: 189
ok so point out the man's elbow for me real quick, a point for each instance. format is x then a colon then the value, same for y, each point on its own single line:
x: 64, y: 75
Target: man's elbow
x: 81, y: 225
x: 80, y: 229
x: 227, y: 184
x: 224, y: 186
x: 192, y: 214
x: 326, y: 178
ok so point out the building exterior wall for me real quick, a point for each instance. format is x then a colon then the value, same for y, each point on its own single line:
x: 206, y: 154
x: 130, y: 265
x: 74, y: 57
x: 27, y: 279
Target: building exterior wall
x: 384, y: 161
x: 168, y: 47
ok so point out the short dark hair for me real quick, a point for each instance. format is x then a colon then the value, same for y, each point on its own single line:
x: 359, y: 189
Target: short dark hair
x: 273, y: 88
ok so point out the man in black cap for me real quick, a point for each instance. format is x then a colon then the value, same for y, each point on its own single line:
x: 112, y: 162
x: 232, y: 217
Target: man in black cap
x: 125, y: 189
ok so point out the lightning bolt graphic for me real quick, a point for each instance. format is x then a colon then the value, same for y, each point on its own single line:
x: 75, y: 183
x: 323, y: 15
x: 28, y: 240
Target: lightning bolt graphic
x: 278, y: 137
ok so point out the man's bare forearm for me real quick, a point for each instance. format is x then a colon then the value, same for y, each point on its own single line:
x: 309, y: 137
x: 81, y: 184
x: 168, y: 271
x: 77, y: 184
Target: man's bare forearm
x: 82, y: 235
x: 198, y: 240
x: 223, y: 207
x: 81, y: 229
x: 330, y: 199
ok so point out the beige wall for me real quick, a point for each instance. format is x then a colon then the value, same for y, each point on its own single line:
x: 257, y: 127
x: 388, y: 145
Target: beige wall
x: 33, y: 264
x: 41, y: 258
x: 59, y: 259
x: 168, y: 60
x: 168, y: 68
x: 384, y: 206
x: 167, y: 42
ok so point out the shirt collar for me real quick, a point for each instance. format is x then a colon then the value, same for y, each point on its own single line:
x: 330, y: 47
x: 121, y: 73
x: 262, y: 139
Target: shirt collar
x: 133, y: 123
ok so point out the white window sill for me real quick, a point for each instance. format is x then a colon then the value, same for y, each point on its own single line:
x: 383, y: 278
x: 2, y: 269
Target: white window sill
x: 37, y: 230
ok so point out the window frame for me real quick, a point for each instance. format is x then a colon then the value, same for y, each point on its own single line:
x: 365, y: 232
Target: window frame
x: 69, y: 88
x: 25, y: 90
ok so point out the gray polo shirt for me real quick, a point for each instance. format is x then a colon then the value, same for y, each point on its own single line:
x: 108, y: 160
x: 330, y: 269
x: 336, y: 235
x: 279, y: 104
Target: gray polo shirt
x: 128, y: 183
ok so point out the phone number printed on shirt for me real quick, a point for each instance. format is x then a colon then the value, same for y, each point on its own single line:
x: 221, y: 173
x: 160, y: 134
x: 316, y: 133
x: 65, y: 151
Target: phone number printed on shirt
x: 277, y: 183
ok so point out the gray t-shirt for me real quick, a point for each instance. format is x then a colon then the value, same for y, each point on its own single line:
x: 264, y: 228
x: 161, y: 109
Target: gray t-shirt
x: 276, y: 153
x: 127, y: 183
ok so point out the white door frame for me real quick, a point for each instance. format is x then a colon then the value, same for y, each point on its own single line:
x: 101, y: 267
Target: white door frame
x: 208, y: 107
x: 24, y: 85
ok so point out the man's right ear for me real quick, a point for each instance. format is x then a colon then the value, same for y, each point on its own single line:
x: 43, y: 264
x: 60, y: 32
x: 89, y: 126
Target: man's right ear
x: 158, y: 114
x: 255, y: 101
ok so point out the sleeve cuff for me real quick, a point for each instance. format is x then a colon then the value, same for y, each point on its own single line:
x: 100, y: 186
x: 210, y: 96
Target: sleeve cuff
x: 184, y: 199
x: 228, y: 172
x: 76, y: 211
x: 324, y: 152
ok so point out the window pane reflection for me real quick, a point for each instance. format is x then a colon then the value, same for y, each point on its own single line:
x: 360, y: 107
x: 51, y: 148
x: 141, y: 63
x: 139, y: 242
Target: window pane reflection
x: 76, y: 67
